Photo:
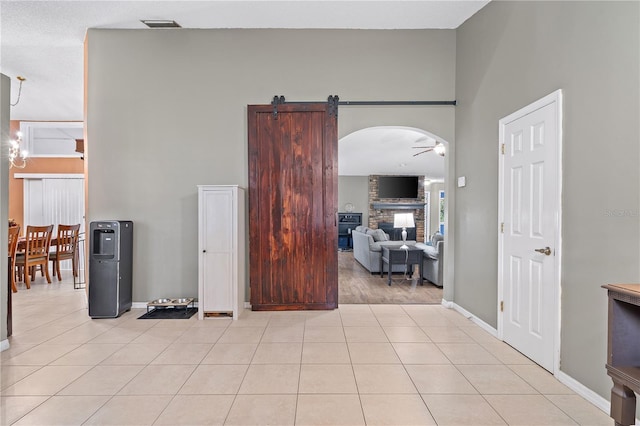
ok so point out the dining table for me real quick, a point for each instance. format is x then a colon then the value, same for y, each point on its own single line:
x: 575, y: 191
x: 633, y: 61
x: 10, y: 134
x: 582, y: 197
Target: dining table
x: 22, y: 245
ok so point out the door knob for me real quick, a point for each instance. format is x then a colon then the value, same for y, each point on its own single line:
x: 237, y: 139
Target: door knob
x: 546, y: 251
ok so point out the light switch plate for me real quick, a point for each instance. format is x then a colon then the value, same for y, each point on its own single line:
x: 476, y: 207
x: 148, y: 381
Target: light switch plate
x: 462, y: 181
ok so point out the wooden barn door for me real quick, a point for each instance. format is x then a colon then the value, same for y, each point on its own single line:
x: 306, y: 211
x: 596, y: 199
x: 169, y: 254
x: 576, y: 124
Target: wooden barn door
x: 293, y: 206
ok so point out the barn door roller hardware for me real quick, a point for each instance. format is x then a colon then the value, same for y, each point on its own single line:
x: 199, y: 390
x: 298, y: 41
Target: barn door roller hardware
x: 334, y: 101
x: 277, y: 100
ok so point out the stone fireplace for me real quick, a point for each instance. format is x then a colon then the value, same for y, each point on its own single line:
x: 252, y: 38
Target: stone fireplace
x: 381, y: 210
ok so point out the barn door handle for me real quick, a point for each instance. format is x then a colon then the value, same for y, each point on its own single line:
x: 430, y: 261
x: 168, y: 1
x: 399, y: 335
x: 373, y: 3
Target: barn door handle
x: 546, y: 251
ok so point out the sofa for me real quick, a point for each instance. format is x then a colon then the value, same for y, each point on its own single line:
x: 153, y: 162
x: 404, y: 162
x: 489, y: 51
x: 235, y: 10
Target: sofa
x: 367, y: 248
x: 432, y: 263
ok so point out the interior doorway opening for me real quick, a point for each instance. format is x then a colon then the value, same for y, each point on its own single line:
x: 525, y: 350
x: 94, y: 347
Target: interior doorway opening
x: 364, y: 156
x: 50, y: 188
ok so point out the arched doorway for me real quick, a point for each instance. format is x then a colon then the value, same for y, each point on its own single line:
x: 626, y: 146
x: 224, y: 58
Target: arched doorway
x: 363, y: 156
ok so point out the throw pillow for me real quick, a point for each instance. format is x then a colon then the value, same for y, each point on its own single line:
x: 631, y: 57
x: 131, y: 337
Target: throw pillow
x: 377, y: 234
x: 380, y: 235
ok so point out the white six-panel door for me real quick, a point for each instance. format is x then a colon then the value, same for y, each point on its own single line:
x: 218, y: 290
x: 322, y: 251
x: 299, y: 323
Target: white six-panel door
x: 530, y: 220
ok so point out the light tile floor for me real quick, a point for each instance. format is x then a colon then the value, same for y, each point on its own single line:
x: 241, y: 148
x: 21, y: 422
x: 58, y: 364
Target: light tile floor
x: 360, y: 364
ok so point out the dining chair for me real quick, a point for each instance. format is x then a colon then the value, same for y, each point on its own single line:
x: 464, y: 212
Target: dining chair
x: 14, y: 234
x: 36, y: 252
x: 66, y: 249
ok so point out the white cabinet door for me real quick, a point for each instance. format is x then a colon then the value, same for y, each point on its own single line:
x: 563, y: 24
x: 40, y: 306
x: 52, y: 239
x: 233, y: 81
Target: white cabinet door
x: 216, y: 250
x: 220, y: 287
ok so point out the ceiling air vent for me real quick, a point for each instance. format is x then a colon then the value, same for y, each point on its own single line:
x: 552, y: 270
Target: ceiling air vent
x: 160, y: 23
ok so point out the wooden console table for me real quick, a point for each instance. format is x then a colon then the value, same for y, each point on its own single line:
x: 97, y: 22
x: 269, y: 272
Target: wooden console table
x: 623, y: 350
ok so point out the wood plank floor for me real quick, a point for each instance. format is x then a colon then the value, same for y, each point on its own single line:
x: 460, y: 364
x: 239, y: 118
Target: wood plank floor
x: 357, y: 285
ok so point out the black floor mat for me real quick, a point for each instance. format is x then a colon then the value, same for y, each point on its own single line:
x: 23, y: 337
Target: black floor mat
x: 169, y: 313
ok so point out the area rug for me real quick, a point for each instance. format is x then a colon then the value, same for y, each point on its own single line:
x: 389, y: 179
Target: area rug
x: 169, y: 313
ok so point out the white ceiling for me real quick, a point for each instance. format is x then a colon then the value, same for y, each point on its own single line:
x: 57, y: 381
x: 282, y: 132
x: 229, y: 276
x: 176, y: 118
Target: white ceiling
x: 389, y: 151
x: 43, y: 40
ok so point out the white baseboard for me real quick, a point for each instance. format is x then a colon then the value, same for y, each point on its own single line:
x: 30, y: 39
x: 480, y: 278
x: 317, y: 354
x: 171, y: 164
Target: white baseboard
x: 447, y: 304
x: 486, y: 327
x: 584, y: 391
x: 247, y: 305
x: 4, y: 345
x: 562, y: 377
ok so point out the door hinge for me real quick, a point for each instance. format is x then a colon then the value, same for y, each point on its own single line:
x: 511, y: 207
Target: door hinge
x: 502, y: 227
x: 502, y: 306
x: 502, y: 149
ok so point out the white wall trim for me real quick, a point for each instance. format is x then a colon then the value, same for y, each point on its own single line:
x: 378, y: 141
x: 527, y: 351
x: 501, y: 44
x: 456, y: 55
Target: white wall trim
x: 584, y: 391
x: 562, y: 377
x: 447, y: 304
x: 4, y: 345
x: 486, y: 327
x: 48, y: 176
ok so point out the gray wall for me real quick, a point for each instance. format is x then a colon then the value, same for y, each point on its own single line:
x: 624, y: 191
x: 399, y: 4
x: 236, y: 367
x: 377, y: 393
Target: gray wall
x: 166, y: 110
x: 5, y: 90
x: 509, y: 55
x: 354, y: 190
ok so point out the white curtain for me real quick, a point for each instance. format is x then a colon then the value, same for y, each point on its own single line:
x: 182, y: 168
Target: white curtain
x: 54, y: 201
x: 63, y: 202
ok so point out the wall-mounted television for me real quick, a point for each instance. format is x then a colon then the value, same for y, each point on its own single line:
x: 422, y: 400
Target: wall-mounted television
x: 398, y: 187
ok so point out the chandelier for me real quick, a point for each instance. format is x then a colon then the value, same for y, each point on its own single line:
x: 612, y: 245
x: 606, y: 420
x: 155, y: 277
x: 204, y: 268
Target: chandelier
x: 17, y: 156
x: 21, y: 79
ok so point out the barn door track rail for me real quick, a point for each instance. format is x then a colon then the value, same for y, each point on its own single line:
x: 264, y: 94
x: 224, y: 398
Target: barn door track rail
x: 334, y: 101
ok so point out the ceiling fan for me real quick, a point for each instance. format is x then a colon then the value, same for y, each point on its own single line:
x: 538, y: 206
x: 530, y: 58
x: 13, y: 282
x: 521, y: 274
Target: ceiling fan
x: 438, y: 148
